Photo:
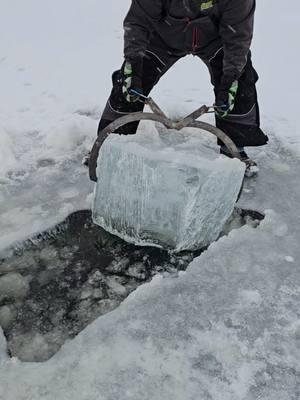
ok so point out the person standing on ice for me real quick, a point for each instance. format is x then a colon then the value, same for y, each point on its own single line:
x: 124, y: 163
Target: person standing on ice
x: 159, y: 32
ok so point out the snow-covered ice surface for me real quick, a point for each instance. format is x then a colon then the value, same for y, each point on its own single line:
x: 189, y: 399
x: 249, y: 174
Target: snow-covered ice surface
x: 176, y: 194
x: 54, y: 82
x: 226, y: 329
x: 55, y: 68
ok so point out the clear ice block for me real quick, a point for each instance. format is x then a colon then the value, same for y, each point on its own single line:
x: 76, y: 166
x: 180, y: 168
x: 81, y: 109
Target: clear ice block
x: 167, y: 190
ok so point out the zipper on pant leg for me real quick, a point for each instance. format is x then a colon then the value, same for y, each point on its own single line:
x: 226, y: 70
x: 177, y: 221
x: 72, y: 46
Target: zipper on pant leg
x: 195, y: 39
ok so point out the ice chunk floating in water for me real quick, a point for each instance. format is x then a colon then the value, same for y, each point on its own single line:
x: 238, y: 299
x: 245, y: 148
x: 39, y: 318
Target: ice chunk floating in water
x: 3, y: 353
x: 173, y: 193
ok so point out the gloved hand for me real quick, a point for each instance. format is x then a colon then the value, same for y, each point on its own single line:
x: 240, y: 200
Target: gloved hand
x: 131, y: 83
x: 225, y: 98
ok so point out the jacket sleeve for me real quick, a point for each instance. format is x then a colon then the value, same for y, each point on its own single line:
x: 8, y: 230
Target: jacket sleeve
x: 138, y: 25
x: 236, y: 31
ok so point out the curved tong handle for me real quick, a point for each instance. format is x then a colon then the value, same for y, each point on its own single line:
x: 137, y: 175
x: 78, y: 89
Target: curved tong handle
x: 159, y: 116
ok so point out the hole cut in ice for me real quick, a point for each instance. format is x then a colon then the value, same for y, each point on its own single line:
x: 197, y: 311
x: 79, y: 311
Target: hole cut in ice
x: 56, y: 283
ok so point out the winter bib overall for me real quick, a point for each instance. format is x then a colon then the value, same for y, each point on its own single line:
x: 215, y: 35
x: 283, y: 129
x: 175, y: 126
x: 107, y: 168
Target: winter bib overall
x: 159, y: 32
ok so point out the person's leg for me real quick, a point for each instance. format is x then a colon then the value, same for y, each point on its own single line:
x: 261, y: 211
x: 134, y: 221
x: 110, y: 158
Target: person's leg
x: 242, y: 125
x: 156, y: 63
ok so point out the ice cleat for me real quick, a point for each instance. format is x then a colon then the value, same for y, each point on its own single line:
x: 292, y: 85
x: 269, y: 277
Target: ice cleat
x: 251, y: 167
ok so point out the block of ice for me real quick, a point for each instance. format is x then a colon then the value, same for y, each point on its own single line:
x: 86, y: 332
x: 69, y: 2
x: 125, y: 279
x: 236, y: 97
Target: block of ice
x: 164, y: 190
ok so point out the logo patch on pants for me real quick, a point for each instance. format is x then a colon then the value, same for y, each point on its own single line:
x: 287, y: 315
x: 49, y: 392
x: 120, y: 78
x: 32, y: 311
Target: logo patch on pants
x: 206, y: 5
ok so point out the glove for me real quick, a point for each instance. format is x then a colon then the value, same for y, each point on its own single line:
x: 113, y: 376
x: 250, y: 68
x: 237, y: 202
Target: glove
x: 132, y: 83
x: 225, y: 98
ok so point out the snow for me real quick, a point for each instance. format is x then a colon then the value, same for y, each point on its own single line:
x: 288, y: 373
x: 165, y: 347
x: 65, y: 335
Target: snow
x: 13, y: 285
x: 228, y: 328
x: 7, y: 157
x: 289, y: 259
x: 7, y: 316
x: 174, y: 194
x: 52, y: 70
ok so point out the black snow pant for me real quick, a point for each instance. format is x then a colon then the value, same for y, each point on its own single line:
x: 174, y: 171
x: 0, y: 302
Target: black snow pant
x: 242, y: 125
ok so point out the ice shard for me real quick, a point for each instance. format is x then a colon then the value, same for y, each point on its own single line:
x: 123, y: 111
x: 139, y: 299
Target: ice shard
x: 169, y: 190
